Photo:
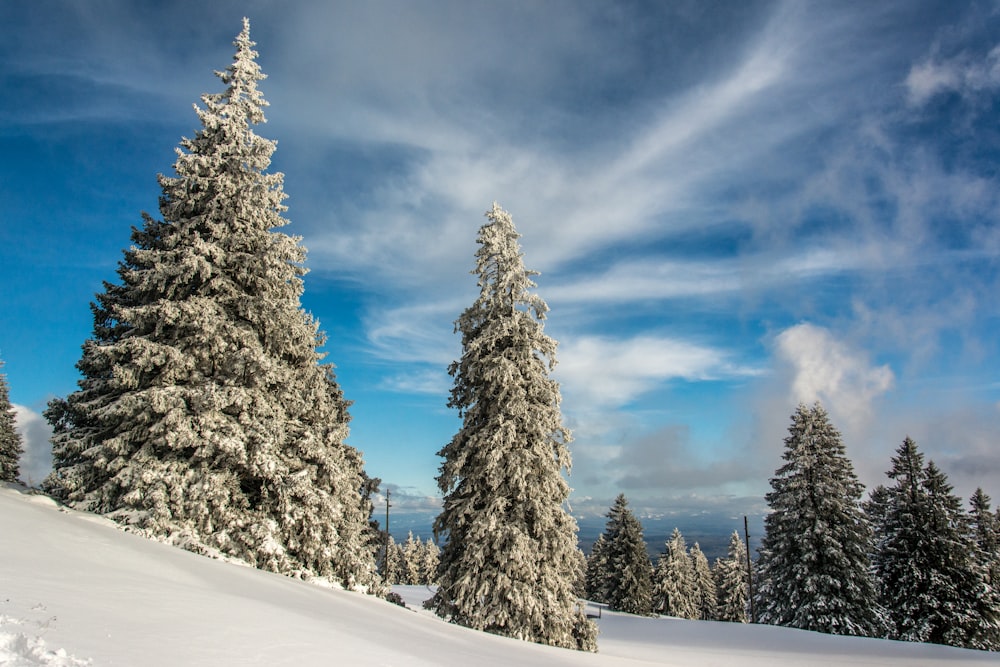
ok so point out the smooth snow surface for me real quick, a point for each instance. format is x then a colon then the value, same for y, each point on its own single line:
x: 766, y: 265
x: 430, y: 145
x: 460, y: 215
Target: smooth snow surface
x: 75, y: 590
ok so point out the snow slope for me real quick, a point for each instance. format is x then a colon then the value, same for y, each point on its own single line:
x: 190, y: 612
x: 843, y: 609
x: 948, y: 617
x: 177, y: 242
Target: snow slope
x: 76, y: 590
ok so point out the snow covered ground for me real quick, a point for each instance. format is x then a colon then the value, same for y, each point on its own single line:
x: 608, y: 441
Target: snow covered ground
x: 75, y: 590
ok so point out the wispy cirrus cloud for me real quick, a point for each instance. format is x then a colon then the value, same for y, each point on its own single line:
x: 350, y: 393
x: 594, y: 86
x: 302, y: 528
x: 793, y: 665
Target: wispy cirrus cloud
x: 963, y: 74
x: 648, y: 176
x: 36, y: 462
x: 611, y: 372
x: 692, y: 181
x: 749, y: 273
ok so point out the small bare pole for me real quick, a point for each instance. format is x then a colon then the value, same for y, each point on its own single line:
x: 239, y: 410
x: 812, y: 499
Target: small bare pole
x: 746, y: 533
x: 387, y: 574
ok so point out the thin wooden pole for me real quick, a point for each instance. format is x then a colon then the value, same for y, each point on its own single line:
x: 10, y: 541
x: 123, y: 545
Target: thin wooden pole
x: 387, y: 573
x: 746, y: 533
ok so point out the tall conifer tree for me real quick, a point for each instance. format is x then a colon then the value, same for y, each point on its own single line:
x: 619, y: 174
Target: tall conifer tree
x: 412, y: 560
x: 814, y: 566
x: 986, y: 533
x: 675, y: 587
x: 11, y: 446
x: 508, y: 564
x: 706, y: 597
x: 204, y: 415
x: 596, y: 578
x: 732, y: 583
x: 429, y: 553
x: 986, y: 536
x: 628, y: 580
x: 925, y: 562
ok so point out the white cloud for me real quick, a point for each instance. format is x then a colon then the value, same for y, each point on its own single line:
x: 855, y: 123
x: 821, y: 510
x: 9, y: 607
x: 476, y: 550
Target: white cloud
x: 637, y: 280
x: 928, y: 79
x: 36, y: 462
x: 429, y: 382
x: 667, y: 459
x: 422, y: 333
x: 644, y: 176
x: 961, y: 75
x: 823, y: 368
x: 404, y: 499
x: 610, y: 372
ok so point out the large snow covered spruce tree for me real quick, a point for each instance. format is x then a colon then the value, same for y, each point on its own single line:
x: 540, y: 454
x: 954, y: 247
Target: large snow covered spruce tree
x: 926, y: 560
x: 204, y: 416
x: 814, y: 567
x: 508, y: 563
x: 627, y: 583
x: 11, y: 446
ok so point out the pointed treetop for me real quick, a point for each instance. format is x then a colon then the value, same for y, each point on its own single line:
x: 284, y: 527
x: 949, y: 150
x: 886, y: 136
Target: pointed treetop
x: 500, y: 265
x: 241, y: 77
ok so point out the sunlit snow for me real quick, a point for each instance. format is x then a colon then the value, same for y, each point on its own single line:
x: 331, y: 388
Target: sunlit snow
x: 76, y: 590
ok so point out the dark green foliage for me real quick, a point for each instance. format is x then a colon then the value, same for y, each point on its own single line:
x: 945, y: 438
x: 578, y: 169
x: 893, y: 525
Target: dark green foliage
x: 986, y: 533
x: 628, y: 574
x: 703, y: 585
x: 814, y: 555
x: 926, y: 560
x: 595, y: 580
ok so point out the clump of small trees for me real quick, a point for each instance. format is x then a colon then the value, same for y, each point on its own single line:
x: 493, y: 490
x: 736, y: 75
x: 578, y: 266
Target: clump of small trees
x: 413, y: 562
x: 906, y: 563
x: 682, y: 584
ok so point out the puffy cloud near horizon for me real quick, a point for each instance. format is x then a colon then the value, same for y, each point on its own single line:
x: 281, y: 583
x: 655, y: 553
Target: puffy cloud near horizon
x: 36, y: 462
x: 825, y: 369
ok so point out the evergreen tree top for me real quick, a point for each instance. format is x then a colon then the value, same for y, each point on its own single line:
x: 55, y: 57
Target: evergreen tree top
x: 503, y: 279
x: 242, y: 76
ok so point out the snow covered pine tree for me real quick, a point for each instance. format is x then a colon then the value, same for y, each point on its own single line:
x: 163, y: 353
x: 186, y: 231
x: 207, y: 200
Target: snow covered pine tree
x: 11, y: 447
x: 508, y: 564
x: 925, y: 561
x: 986, y: 533
x: 732, y: 583
x: 628, y: 572
x: 706, y: 596
x: 204, y: 416
x: 814, y: 569
x: 674, y: 588
x: 596, y: 576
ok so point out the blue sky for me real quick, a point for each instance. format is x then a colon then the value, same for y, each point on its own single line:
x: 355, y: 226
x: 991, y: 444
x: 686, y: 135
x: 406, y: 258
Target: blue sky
x: 734, y: 207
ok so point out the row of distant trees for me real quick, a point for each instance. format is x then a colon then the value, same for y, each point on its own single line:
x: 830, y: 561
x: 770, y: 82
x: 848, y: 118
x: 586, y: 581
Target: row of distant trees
x: 682, y: 584
x: 413, y: 562
x: 906, y: 563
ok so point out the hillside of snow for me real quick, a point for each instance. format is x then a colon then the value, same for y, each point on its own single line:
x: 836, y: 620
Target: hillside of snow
x: 75, y: 590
